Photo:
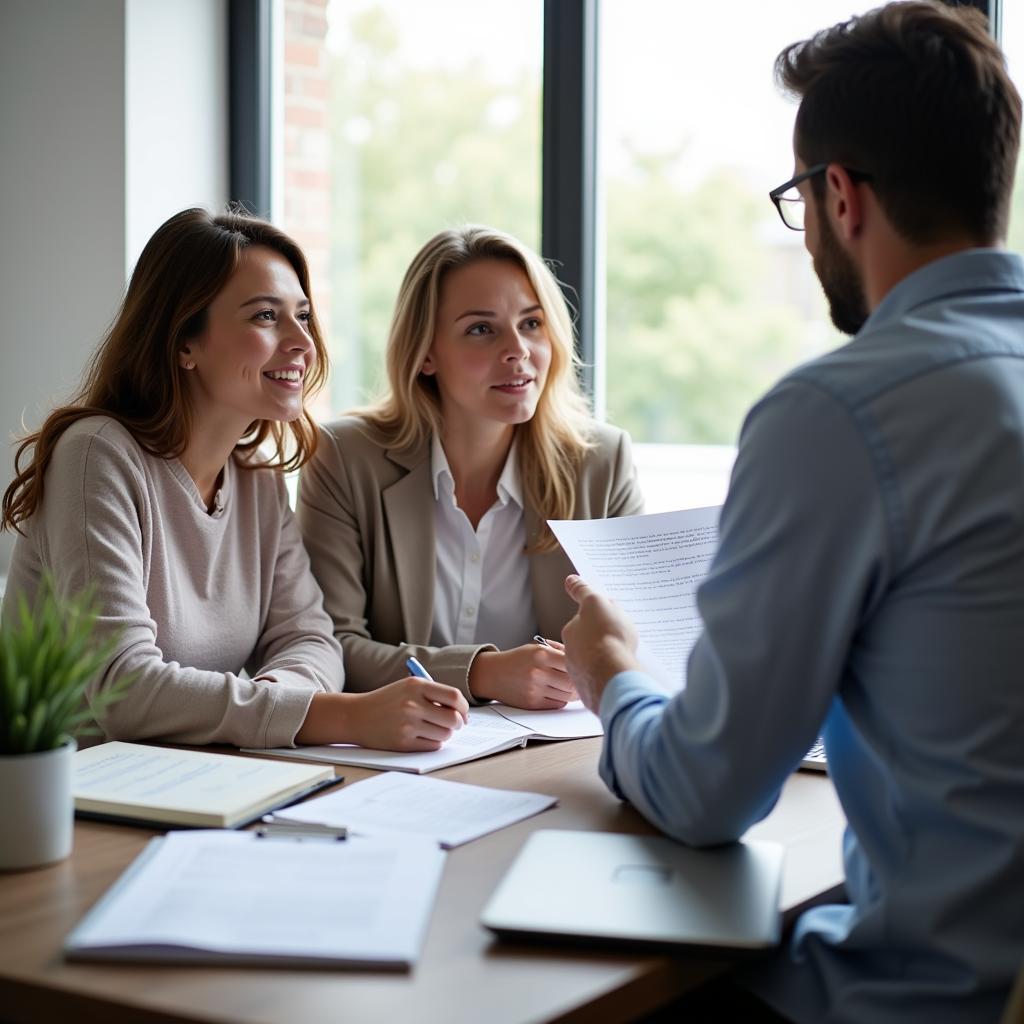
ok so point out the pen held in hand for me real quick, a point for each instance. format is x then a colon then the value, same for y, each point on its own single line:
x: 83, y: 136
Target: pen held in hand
x: 417, y: 670
x: 551, y: 645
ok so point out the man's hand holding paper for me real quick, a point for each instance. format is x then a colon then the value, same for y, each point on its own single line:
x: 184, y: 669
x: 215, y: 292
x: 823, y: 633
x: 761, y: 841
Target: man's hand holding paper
x: 600, y: 642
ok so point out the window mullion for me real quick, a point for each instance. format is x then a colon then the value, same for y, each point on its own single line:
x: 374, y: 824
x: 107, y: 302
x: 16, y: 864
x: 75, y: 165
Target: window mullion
x: 571, y: 215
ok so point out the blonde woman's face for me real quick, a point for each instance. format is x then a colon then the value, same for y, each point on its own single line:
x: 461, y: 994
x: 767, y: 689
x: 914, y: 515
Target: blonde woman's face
x: 251, y: 361
x: 491, y: 350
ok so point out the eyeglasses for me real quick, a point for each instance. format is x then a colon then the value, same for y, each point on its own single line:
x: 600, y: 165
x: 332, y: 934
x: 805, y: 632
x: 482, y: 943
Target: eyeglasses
x: 790, y: 203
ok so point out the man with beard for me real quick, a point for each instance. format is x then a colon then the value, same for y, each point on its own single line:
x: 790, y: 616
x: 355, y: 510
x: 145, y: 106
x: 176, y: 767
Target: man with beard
x: 869, y: 580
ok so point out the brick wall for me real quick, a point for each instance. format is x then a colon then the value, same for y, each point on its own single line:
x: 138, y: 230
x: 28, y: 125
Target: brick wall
x: 306, y: 167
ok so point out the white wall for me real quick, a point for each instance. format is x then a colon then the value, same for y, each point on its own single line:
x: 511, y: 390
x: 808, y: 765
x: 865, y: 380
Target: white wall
x: 113, y: 115
x: 176, y: 124
x: 62, y: 211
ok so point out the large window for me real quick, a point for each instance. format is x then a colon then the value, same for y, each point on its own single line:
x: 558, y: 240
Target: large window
x: 401, y: 119
x: 710, y: 297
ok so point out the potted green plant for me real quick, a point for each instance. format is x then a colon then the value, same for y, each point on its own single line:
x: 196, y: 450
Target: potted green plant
x: 49, y: 652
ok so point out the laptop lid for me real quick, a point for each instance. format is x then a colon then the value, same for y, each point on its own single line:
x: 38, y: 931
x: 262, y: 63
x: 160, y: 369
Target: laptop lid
x: 602, y: 887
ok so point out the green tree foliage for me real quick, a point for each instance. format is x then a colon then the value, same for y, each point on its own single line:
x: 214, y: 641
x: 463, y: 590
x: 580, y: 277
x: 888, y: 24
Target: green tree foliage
x: 417, y: 151
x: 691, y: 339
x: 694, y: 334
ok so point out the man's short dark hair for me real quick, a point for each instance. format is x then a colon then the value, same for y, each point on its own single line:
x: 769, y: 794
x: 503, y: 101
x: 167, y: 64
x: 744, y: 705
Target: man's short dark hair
x: 916, y: 95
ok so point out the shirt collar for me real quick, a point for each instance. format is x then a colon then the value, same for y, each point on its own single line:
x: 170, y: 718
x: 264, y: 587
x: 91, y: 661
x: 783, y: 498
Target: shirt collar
x: 509, y: 486
x: 973, y: 270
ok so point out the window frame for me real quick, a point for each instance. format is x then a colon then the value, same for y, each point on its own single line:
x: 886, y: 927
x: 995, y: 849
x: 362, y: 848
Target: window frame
x: 572, y: 207
x: 250, y: 104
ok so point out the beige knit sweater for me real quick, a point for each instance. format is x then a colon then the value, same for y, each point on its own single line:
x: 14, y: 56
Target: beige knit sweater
x: 195, y: 596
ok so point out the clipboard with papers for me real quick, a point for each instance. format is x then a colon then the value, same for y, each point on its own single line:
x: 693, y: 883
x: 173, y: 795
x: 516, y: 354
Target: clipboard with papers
x: 203, y: 897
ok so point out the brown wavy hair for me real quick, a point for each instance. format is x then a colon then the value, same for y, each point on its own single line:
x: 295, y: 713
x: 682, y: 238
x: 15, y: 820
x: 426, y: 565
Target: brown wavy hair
x: 134, y: 376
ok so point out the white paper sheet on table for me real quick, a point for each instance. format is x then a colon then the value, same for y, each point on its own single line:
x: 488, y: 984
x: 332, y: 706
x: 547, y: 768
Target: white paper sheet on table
x: 450, y: 813
x: 651, y: 566
x: 213, y: 896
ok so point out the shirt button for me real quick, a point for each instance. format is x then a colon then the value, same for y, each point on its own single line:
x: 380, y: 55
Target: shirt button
x: 474, y: 558
x: 470, y: 610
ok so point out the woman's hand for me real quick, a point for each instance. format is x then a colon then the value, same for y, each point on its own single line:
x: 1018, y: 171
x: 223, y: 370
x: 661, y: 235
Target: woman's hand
x: 412, y: 714
x: 533, y: 676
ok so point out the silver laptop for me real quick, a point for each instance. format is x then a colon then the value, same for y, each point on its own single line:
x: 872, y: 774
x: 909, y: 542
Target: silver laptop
x: 609, y: 888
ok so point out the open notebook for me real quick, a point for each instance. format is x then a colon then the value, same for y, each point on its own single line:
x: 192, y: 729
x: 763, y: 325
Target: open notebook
x: 138, y: 784
x: 489, y: 731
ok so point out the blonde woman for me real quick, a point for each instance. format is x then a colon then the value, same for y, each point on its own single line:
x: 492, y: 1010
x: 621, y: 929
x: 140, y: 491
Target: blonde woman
x: 155, y: 487
x: 425, y: 515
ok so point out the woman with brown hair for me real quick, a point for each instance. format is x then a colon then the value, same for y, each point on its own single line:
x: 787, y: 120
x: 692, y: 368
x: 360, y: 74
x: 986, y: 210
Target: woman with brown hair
x: 161, y: 486
x: 425, y: 515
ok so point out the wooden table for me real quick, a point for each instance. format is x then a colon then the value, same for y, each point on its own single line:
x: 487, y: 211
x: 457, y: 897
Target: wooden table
x: 464, y: 975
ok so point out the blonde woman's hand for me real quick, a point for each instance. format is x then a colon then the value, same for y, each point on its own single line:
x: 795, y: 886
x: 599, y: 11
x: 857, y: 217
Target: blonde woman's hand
x: 533, y: 676
x: 411, y: 714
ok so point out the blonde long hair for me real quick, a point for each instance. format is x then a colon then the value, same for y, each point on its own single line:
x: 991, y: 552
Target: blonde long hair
x: 134, y: 375
x: 550, y: 445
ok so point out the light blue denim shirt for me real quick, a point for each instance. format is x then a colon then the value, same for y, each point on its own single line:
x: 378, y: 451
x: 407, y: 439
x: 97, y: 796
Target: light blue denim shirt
x: 870, y: 581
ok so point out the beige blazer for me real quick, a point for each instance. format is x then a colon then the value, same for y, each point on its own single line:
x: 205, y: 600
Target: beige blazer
x: 367, y: 518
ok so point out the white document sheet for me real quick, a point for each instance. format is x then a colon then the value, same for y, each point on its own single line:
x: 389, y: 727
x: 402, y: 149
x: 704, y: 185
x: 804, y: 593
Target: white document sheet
x: 573, y: 722
x: 449, y: 813
x: 651, y: 565
x: 212, y: 896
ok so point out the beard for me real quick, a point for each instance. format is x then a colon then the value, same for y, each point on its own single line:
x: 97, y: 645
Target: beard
x: 840, y: 281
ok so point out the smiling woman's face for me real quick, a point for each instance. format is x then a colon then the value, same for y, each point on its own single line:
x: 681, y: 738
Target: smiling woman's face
x: 250, y: 361
x: 491, y: 351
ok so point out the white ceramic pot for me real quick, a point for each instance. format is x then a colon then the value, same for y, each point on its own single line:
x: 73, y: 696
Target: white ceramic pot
x: 37, y: 808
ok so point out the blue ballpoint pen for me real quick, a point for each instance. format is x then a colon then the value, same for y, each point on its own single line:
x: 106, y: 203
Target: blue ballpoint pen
x: 416, y: 669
